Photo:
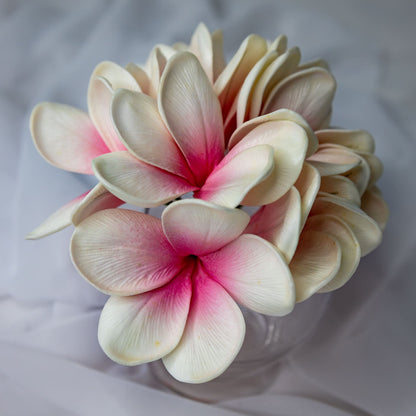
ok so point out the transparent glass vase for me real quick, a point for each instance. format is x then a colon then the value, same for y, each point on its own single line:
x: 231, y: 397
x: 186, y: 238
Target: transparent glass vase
x: 268, y: 339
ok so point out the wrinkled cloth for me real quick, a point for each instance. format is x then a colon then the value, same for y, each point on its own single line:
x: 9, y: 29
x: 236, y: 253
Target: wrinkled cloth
x: 361, y: 359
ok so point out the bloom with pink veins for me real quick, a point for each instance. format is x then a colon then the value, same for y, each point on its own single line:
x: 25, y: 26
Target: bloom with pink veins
x: 175, y: 145
x: 70, y: 139
x: 174, y: 284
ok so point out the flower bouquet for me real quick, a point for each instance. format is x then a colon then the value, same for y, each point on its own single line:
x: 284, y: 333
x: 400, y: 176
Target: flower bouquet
x: 265, y: 203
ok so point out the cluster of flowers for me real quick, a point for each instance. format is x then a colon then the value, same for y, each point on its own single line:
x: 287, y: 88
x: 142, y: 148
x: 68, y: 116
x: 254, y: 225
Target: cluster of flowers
x: 250, y: 132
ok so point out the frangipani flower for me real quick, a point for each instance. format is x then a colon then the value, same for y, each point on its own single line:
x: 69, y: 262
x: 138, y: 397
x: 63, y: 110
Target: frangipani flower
x: 186, y: 123
x: 70, y: 139
x: 174, y: 284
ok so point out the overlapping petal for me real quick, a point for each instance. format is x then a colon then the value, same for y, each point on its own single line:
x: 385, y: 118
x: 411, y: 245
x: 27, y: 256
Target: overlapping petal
x: 66, y: 137
x: 254, y: 273
x: 142, y: 328
x: 213, y: 334
x: 196, y: 227
x: 123, y: 252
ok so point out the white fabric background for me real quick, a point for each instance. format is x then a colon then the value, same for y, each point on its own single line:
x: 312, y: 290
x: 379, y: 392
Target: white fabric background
x: 362, y: 358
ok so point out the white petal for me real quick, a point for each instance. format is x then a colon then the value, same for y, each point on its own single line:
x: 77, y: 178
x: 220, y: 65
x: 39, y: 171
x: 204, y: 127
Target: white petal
x: 96, y: 200
x: 366, y: 230
x: 333, y: 159
x: 349, y: 245
x: 142, y: 328
x: 123, y: 252
x: 191, y: 111
x: 279, y: 44
x: 375, y: 165
x: 233, y: 178
x: 278, y: 115
x: 197, y: 227
x: 66, y: 137
x: 283, y: 66
x: 360, y: 174
x: 289, y: 141
x: 106, y: 78
x: 255, y: 274
x: 139, y: 74
x: 218, y: 53
x: 279, y: 223
x: 373, y: 204
x: 358, y: 140
x: 201, y: 46
x: 315, y: 263
x: 342, y: 187
x: 57, y: 221
x: 308, y: 186
x: 136, y: 182
x: 213, y: 334
x: 309, y: 92
x: 232, y: 77
x: 139, y: 125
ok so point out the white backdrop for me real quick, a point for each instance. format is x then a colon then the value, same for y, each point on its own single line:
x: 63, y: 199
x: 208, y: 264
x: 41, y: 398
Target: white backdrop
x: 362, y: 358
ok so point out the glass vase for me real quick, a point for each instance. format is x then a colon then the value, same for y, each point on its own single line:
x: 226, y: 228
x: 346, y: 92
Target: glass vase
x: 268, y: 339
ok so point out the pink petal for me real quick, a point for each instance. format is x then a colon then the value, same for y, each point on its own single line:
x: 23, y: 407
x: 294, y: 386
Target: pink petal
x: 106, y: 78
x: 59, y: 220
x: 309, y: 92
x: 232, y: 77
x: 197, y: 227
x: 213, y: 334
x: 136, y: 182
x: 96, y: 200
x: 124, y: 252
x: 66, y: 137
x: 315, y: 263
x: 290, y: 142
x: 142, y: 328
x: 279, y: 223
x: 192, y: 113
x: 230, y: 181
x: 138, y: 123
x: 255, y: 275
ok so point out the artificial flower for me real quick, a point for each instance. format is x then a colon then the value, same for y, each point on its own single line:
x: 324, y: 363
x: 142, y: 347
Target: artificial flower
x: 174, y: 284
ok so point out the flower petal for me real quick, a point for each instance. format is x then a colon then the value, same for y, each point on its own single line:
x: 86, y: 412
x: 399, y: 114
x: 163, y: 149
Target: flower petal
x: 191, y: 111
x: 279, y: 223
x: 360, y: 174
x: 375, y: 165
x: 218, y: 53
x: 139, y: 125
x: 57, y: 221
x: 333, y: 159
x: 139, y: 74
x: 232, y: 77
x: 278, y: 115
x: 289, y: 141
x: 373, y: 204
x: 230, y: 181
x: 315, y: 263
x: 308, y: 186
x: 366, y: 230
x: 349, y: 245
x: 136, y: 182
x: 96, y: 200
x: 279, y: 44
x: 282, y: 67
x: 358, y: 140
x: 106, y: 78
x: 340, y: 186
x: 213, y: 335
x: 142, y: 328
x: 197, y: 227
x: 123, y: 252
x: 202, y: 47
x: 254, y: 273
x: 66, y: 137
x: 309, y: 92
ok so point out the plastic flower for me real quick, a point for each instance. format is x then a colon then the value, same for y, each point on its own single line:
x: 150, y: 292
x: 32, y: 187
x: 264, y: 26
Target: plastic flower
x: 175, y: 145
x: 70, y: 139
x: 174, y: 284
